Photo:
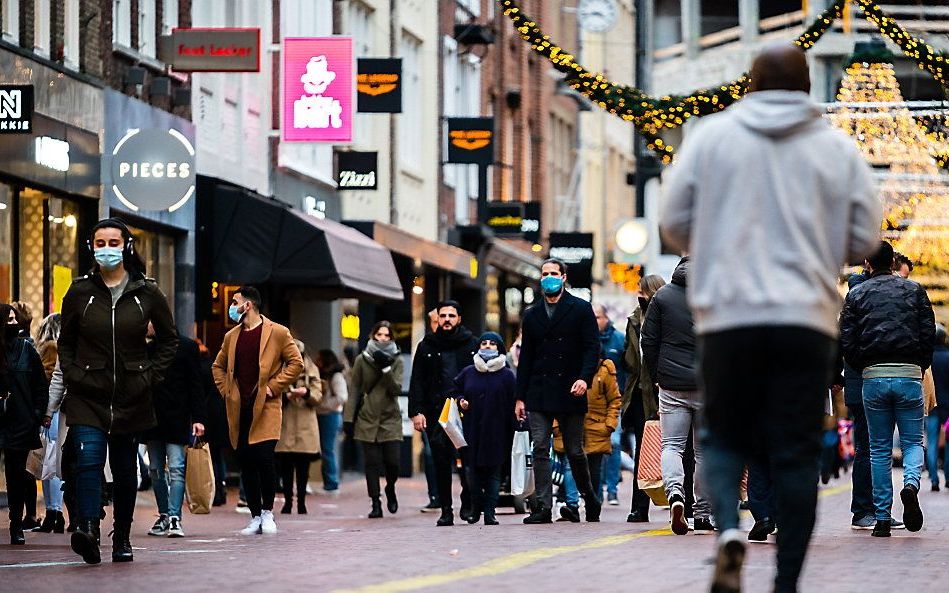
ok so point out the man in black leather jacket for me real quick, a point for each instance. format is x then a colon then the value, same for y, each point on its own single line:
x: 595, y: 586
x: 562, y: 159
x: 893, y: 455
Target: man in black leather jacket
x: 887, y: 331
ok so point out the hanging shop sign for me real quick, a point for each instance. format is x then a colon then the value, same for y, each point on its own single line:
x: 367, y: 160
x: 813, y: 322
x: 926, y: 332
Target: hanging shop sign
x: 318, y: 89
x: 530, y: 224
x: 505, y: 218
x: 356, y: 170
x: 575, y: 250
x: 211, y: 50
x: 16, y: 108
x: 471, y: 140
x: 153, y: 169
x: 379, y: 85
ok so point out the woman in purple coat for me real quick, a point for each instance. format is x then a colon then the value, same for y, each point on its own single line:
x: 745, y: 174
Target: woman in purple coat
x: 486, y: 395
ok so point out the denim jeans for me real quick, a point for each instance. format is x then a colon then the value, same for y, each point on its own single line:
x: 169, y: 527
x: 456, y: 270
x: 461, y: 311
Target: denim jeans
x: 760, y: 491
x: 571, y: 494
x: 91, y: 446
x: 680, y: 415
x: 889, y: 403
x: 613, y: 466
x: 330, y: 425
x: 484, y: 483
x: 764, y: 390
x: 932, y: 448
x: 169, y: 486
x: 861, y: 503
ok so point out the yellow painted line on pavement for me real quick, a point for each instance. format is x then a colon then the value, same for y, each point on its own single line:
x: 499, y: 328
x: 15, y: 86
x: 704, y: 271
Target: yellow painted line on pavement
x: 519, y: 560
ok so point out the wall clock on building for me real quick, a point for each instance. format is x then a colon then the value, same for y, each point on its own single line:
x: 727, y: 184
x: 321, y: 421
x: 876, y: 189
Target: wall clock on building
x: 597, y: 16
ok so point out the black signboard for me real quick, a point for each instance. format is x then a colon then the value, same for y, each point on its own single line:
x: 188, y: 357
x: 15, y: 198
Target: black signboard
x: 576, y: 250
x: 530, y: 225
x: 16, y: 108
x: 471, y: 140
x: 356, y: 170
x: 379, y: 85
x: 505, y: 218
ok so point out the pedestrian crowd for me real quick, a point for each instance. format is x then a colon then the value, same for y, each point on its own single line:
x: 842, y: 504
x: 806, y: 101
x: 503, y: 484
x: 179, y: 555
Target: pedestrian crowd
x: 749, y: 329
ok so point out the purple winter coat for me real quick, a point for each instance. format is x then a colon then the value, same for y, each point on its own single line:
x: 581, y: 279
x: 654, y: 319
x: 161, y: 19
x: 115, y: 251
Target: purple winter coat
x: 489, y: 420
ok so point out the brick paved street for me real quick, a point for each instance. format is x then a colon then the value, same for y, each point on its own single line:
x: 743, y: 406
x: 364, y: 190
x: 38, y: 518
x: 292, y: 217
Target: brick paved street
x: 336, y: 549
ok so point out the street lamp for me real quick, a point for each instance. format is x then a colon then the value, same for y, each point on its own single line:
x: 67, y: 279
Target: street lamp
x: 632, y: 236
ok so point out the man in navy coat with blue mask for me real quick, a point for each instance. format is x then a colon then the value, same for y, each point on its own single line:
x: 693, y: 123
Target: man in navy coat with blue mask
x: 560, y: 348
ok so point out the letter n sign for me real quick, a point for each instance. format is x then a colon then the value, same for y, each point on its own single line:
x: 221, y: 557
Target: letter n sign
x: 16, y: 109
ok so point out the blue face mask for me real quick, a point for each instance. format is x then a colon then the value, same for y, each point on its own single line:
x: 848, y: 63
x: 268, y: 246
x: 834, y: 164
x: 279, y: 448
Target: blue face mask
x: 108, y: 258
x: 551, y: 285
x: 487, y: 355
x: 234, y: 313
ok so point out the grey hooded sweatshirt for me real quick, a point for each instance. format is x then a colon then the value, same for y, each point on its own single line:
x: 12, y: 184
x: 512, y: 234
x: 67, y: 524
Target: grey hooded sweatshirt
x: 770, y: 201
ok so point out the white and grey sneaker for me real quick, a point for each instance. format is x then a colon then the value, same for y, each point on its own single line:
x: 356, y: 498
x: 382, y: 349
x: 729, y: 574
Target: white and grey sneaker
x: 160, y: 528
x: 174, y: 527
x: 267, y: 524
x: 253, y: 528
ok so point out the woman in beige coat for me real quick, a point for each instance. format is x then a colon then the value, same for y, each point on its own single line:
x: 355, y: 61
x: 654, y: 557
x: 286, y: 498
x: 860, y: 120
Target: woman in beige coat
x: 299, y: 433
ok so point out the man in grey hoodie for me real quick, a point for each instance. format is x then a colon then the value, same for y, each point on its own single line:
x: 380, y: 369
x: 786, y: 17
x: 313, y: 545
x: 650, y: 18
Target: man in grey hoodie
x: 770, y: 201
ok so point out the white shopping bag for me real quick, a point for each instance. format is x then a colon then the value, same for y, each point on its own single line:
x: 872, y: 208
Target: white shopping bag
x: 450, y: 419
x: 51, y: 460
x: 522, y: 465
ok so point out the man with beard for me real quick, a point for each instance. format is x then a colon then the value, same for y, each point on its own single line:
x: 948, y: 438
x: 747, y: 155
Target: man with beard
x: 439, y: 358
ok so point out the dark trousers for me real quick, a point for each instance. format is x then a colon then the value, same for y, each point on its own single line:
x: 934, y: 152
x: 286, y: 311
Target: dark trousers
x: 290, y: 464
x: 595, y: 463
x: 430, y: 479
x: 571, y: 427
x: 91, y: 446
x: 381, y: 459
x: 861, y: 503
x: 16, y: 474
x: 484, y: 483
x: 29, y: 494
x: 257, y: 474
x: 444, y: 458
x: 220, y: 472
x: 764, y: 400
x: 760, y: 491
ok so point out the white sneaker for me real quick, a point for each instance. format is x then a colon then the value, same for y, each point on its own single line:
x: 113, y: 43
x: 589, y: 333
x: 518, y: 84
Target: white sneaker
x: 267, y: 524
x: 253, y: 528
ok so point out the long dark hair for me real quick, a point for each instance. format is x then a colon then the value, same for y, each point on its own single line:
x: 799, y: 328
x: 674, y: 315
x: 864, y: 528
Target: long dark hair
x: 130, y: 258
x: 379, y: 325
x: 4, y: 346
x: 328, y: 362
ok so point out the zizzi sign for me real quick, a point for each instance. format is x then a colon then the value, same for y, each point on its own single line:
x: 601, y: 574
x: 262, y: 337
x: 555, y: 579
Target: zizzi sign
x: 318, y: 89
x: 356, y: 170
x: 153, y: 170
x: 16, y: 109
x: 211, y: 50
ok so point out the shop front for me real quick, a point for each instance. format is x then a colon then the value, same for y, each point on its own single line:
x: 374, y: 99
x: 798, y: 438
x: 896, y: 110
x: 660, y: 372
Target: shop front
x: 49, y: 184
x: 511, y: 285
x: 148, y: 175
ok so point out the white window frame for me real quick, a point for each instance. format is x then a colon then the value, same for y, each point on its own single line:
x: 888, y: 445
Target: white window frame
x: 473, y: 6
x: 122, y: 22
x: 71, y: 34
x: 410, y: 123
x: 147, y: 40
x: 360, y: 28
x: 41, y: 36
x: 169, y: 16
x: 10, y: 17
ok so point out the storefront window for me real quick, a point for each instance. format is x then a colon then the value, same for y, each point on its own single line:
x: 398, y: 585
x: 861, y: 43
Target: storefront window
x: 32, y: 250
x: 157, y: 250
x: 6, y: 244
x: 63, y: 251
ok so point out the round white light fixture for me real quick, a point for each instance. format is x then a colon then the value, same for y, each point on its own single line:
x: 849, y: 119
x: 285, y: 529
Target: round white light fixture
x: 632, y: 237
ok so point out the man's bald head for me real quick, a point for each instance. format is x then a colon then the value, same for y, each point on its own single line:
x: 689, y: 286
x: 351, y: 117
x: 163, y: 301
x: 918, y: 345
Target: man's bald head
x: 781, y: 67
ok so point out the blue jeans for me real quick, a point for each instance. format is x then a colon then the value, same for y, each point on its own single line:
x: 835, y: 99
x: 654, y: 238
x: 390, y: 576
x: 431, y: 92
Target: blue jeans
x: 889, y: 403
x: 861, y: 503
x: 613, y: 465
x: 760, y: 490
x: 932, y: 448
x: 571, y: 494
x: 169, y: 486
x: 92, y: 445
x: 330, y: 425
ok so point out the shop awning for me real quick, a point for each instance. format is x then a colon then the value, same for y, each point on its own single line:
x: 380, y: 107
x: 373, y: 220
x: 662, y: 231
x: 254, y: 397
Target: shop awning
x: 506, y: 255
x: 254, y: 239
x: 440, y: 255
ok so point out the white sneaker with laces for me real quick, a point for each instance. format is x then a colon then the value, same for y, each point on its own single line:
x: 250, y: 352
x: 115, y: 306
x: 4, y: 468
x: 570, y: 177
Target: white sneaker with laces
x: 267, y: 524
x: 253, y: 528
x: 174, y: 527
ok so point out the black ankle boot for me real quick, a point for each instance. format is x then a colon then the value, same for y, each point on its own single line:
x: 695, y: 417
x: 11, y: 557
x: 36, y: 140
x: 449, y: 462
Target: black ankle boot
x: 489, y: 517
x: 376, y: 512
x: 392, y: 503
x: 16, y: 534
x: 85, y: 541
x: 447, y: 518
x: 59, y: 523
x: 47, y: 525
x: 301, y: 506
x: 121, y: 546
x: 287, y: 506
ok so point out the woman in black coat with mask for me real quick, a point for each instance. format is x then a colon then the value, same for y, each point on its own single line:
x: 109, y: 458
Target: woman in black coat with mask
x: 23, y: 397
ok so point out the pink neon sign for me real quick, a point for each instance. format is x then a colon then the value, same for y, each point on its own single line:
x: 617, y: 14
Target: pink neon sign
x: 318, y: 89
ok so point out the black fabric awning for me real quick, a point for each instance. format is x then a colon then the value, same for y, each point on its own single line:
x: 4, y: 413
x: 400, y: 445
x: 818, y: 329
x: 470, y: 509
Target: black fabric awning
x: 253, y: 240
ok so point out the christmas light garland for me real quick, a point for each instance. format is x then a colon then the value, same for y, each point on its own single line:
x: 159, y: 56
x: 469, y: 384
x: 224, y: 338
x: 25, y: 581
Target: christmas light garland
x: 652, y: 115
